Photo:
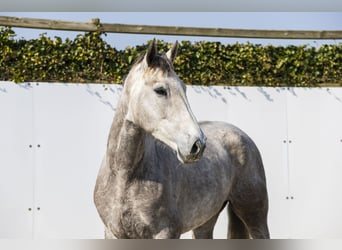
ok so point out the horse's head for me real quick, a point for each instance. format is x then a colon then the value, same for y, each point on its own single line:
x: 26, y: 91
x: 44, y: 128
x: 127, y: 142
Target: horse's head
x: 158, y: 104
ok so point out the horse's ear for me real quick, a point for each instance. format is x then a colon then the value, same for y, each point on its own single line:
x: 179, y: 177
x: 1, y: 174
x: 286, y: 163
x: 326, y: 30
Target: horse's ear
x: 151, y: 52
x: 171, y: 54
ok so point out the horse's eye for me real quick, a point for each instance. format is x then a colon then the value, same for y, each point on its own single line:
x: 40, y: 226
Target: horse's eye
x: 161, y: 91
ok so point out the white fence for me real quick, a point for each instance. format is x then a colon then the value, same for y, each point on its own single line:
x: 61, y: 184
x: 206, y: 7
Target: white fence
x: 53, y: 137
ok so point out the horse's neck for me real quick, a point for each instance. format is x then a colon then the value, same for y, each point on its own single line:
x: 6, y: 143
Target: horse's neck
x: 125, y: 147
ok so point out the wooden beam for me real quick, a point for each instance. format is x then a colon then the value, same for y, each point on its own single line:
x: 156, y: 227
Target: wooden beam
x: 95, y: 25
x: 36, y: 23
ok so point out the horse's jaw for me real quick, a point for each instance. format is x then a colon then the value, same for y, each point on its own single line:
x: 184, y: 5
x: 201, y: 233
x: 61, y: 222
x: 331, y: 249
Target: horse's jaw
x: 189, y: 159
x: 176, y: 149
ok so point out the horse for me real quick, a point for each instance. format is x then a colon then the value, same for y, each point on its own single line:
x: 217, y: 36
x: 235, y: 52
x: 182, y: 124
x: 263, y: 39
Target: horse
x: 164, y: 173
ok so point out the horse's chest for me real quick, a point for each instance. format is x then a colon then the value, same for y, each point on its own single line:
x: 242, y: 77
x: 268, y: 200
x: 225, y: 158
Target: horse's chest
x: 138, y: 215
x: 129, y: 225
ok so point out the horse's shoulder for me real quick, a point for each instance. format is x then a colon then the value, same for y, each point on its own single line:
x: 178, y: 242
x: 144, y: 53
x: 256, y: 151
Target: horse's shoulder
x: 239, y: 145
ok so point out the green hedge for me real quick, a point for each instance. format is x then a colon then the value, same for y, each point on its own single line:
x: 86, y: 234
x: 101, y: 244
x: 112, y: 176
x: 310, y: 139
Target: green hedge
x: 88, y: 58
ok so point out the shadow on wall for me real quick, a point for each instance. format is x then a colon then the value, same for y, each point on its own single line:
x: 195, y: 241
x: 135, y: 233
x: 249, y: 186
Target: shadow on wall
x: 333, y: 95
x: 236, y: 91
x: 113, y: 90
x: 213, y: 92
x: 267, y: 95
x: 26, y: 86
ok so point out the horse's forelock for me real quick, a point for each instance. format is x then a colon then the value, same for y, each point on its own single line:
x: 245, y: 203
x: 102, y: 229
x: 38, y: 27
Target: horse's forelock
x: 160, y: 62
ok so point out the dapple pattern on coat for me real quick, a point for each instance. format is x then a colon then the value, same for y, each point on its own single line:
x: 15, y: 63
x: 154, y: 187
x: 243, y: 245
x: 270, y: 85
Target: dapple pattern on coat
x: 164, y: 173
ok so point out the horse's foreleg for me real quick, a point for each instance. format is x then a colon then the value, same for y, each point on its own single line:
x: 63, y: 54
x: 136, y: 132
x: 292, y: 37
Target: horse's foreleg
x: 167, y: 234
x: 109, y: 234
x: 206, y: 230
x: 236, y: 227
x: 247, y: 223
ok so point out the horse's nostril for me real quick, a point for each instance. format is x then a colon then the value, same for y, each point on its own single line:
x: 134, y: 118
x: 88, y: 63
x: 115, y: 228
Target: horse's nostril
x: 196, y: 148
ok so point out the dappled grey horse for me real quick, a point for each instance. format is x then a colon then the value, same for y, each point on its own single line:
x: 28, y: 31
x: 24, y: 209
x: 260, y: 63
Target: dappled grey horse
x: 164, y: 173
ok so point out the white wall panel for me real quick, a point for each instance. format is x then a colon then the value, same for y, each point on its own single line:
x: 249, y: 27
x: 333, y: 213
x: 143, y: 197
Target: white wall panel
x: 16, y: 161
x: 261, y: 113
x: 208, y: 103
x: 71, y: 127
x: 315, y: 128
